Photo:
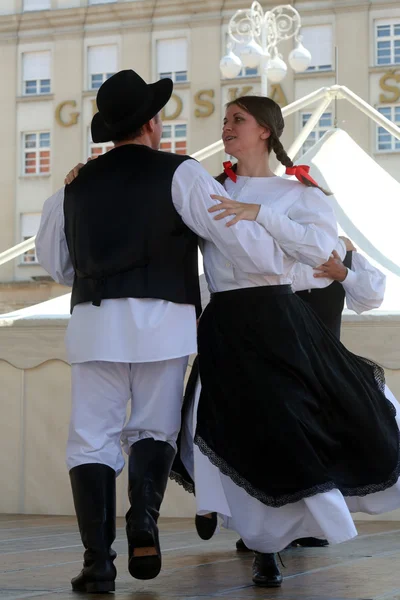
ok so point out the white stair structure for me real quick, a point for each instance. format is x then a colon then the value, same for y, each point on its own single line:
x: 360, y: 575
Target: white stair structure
x: 35, y: 375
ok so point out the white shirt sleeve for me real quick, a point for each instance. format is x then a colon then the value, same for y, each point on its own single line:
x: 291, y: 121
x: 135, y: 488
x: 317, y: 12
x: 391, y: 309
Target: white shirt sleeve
x: 51, y: 243
x: 247, y: 245
x: 364, y: 285
x: 308, y: 232
x: 303, y: 275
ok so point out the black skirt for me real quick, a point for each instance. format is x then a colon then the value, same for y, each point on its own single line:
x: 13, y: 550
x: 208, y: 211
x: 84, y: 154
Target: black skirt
x: 286, y: 411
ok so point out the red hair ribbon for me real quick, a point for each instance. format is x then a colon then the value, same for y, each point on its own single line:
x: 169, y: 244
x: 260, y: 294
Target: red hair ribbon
x: 301, y: 172
x: 229, y: 171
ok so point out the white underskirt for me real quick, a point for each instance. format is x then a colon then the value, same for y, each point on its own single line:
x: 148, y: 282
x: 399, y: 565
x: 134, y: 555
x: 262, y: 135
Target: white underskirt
x: 267, y: 529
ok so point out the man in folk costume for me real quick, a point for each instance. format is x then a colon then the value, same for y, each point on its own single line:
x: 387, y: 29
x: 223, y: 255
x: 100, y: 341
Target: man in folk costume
x: 123, y: 233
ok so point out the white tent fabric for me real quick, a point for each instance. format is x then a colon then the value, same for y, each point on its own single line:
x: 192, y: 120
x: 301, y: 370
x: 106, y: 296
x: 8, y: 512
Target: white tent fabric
x: 366, y: 201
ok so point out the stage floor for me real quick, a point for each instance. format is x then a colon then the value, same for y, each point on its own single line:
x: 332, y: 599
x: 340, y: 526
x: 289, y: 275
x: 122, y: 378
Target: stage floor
x: 39, y: 555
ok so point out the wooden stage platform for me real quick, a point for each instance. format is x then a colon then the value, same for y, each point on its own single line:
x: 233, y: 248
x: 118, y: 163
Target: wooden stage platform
x: 39, y: 555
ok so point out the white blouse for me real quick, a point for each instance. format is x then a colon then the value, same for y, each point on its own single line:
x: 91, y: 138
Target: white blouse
x: 300, y: 220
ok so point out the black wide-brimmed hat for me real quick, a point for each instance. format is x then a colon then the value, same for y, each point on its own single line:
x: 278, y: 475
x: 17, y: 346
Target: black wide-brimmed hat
x: 125, y: 103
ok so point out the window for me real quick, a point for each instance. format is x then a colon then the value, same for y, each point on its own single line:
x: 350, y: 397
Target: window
x: 96, y: 150
x: 102, y: 63
x: 386, y: 142
x: 388, y: 43
x: 324, y: 124
x: 36, y: 73
x: 37, y: 4
x: 174, y: 138
x: 36, y: 153
x: 172, y: 59
x: 100, y: 1
x: 318, y: 40
x: 29, y: 227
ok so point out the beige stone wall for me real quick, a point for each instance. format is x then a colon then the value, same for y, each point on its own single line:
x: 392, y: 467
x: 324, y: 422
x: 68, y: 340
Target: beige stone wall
x: 14, y: 296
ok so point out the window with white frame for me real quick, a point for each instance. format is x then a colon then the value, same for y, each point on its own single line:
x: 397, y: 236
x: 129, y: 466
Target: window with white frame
x: 385, y: 142
x: 36, y: 4
x: 36, y: 73
x: 174, y: 138
x: 324, y: 124
x: 36, y: 153
x: 172, y: 60
x: 318, y: 39
x: 387, y: 35
x: 102, y: 63
x: 29, y: 227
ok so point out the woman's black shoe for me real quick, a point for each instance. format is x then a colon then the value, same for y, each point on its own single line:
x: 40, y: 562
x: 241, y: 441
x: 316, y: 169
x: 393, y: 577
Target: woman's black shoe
x: 206, y: 526
x: 310, y: 542
x: 241, y: 546
x: 266, y: 572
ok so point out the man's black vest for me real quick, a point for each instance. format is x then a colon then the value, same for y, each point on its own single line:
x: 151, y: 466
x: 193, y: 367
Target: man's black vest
x: 328, y: 302
x: 124, y: 235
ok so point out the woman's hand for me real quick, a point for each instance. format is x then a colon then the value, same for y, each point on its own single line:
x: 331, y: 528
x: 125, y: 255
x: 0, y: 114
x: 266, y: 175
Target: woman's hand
x: 243, y: 211
x: 73, y: 174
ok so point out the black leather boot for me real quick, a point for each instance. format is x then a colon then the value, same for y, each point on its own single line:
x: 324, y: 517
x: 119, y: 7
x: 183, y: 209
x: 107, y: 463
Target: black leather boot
x: 241, y: 546
x: 266, y: 572
x: 93, y: 489
x: 310, y: 542
x: 150, y: 462
x: 206, y: 526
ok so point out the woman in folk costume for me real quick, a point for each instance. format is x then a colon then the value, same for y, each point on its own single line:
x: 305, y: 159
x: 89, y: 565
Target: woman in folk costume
x: 284, y: 417
x: 326, y: 288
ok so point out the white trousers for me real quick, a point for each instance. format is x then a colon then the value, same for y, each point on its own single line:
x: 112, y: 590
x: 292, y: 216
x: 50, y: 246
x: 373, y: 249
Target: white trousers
x: 101, y: 391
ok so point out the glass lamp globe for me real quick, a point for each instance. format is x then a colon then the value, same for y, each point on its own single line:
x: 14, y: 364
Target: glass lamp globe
x: 230, y: 65
x: 251, y: 54
x: 300, y: 58
x: 277, y: 69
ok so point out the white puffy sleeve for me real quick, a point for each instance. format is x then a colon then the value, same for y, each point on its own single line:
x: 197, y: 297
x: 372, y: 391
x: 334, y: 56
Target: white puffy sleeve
x: 364, y: 285
x: 308, y: 232
x: 51, y: 243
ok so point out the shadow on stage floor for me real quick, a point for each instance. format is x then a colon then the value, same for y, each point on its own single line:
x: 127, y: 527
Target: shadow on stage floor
x: 39, y: 555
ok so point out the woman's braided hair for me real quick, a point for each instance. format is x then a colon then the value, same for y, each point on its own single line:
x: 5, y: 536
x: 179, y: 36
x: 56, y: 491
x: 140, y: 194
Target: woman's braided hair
x: 268, y: 114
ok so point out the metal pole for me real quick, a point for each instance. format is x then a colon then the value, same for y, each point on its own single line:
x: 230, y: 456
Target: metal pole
x: 264, y: 62
x: 372, y: 113
x: 306, y: 101
x: 335, y: 124
x: 17, y: 250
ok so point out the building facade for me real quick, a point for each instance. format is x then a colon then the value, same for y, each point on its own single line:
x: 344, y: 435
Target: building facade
x: 55, y: 54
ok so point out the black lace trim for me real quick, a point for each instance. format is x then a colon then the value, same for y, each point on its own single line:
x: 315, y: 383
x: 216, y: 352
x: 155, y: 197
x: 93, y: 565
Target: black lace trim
x: 180, y: 480
x: 279, y: 501
x: 379, y: 375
